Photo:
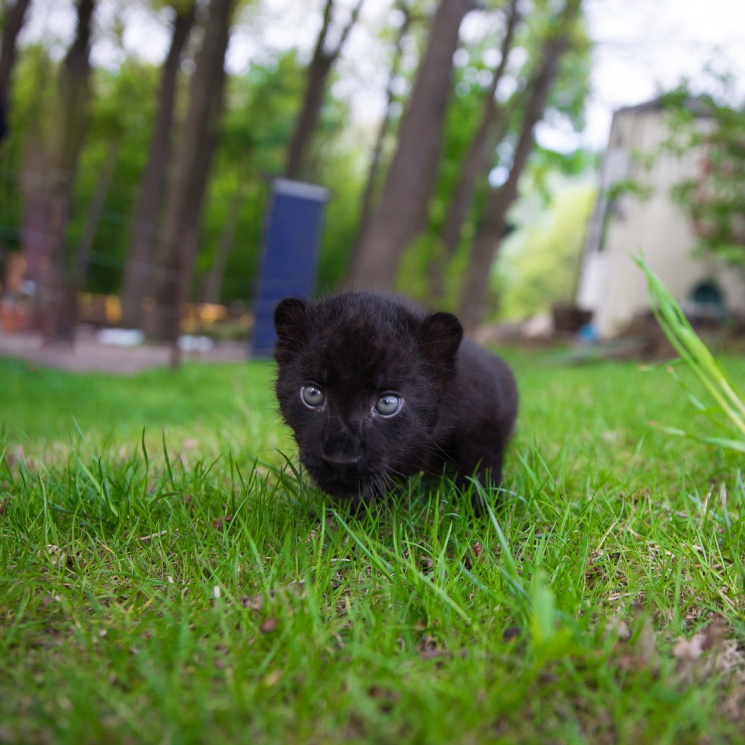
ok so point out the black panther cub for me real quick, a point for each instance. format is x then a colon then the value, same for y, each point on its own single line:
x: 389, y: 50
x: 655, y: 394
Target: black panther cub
x: 375, y: 389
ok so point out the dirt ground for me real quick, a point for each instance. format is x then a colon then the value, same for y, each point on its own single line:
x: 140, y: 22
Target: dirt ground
x: 89, y: 355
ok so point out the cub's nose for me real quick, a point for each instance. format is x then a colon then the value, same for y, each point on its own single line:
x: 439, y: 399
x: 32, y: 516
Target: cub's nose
x: 341, y: 453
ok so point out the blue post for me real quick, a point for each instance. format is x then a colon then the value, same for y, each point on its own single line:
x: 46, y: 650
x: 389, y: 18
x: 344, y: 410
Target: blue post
x: 290, y: 253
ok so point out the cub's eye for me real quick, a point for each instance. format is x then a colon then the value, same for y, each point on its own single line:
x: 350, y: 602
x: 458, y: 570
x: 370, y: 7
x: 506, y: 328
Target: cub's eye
x: 312, y: 396
x: 389, y: 405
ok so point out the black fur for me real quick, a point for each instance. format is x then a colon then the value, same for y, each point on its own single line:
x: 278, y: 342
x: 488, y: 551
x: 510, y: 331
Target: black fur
x: 459, y: 401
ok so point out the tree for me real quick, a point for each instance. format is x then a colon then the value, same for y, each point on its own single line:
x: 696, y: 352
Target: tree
x: 324, y: 56
x: 475, y: 164
x: 62, y: 150
x: 409, y: 183
x: 183, y: 208
x: 24, y: 203
x: 17, y: 104
x: 120, y: 109
x: 12, y: 25
x: 474, y: 292
x: 368, y: 193
x: 146, y: 214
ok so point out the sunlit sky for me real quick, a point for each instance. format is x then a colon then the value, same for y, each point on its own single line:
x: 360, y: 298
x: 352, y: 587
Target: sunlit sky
x: 642, y: 48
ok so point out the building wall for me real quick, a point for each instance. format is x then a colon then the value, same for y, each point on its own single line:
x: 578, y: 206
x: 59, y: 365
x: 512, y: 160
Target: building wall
x: 611, y: 283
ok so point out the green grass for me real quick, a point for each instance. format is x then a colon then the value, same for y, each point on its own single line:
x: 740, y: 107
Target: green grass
x: 165, y: 576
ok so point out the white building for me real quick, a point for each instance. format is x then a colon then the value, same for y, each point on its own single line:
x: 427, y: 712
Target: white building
x: 624, y: 224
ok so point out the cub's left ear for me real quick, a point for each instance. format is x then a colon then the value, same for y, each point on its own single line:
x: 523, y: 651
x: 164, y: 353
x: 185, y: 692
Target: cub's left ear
x: 290, y: 318
x: 441, y: 337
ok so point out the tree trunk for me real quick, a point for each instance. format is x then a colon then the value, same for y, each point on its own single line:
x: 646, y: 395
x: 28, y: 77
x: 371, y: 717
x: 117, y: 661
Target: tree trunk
x: 182, y: 216
x: 318, y: 72
x: 65, y: 142
x: 75, y: 280
x: 477, y: 161
x: 14, y: 18
x: 33, y: 186
x: 410, y: 180
x: 145, y: 218
x: 216, y: 274
x: 475, y: 288
x: 366, y: 204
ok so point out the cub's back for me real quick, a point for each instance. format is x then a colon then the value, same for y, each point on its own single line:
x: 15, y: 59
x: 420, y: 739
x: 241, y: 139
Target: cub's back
x: 486, y: 382
x: 484, y: 402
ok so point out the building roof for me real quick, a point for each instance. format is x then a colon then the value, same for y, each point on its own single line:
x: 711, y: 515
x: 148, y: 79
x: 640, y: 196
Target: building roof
x: 697, y: 105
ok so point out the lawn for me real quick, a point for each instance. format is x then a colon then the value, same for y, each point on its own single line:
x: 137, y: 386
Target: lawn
x: 167, y: 575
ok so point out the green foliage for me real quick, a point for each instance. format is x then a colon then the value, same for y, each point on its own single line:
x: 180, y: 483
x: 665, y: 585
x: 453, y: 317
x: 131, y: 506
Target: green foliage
x: 570, y: 91
x: 464, y: 114
x: 122, y: 117
x: 179, y: 5
x: 342, y: 174
x: 629, y: 187
x: 546, y: 167
x: 713, y: 127
x: 262, y: 106
x: 539, y: 263
x: 256, y: 127
x: 471, y: 81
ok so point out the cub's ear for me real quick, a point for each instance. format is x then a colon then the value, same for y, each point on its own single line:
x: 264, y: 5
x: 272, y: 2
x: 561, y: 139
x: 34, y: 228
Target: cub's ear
x: 290, y: 321
x: 441, y: 337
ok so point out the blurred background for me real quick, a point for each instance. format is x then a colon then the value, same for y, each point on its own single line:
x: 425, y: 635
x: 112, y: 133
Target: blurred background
x: 504, y: 159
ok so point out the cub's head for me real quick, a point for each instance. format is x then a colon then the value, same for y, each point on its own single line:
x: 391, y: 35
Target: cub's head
x: 363, y: 381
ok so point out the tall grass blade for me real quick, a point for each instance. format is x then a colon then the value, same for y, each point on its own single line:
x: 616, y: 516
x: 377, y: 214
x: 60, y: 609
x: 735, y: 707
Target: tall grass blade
x: 697, y: 357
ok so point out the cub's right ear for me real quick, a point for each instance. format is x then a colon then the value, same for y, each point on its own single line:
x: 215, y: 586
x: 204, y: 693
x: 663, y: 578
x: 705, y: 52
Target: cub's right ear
x: 290, y: 318
x: 440, y: 337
